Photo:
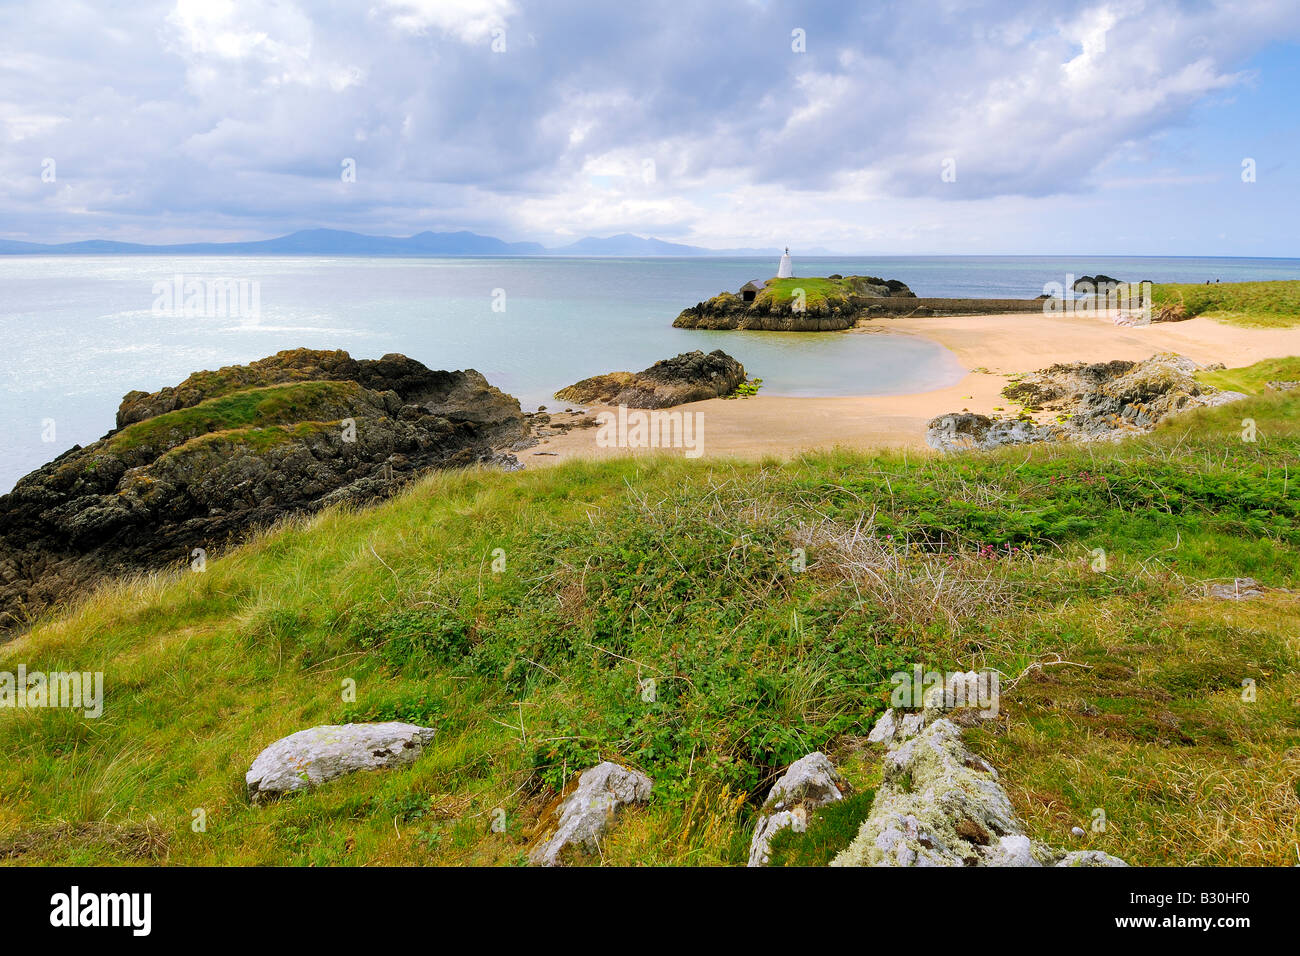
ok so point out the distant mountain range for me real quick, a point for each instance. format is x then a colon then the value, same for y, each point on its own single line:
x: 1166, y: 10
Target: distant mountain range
x: 337, y: 242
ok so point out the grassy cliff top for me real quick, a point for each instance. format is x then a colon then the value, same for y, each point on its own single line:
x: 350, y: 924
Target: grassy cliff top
x: 625, y: 569
x: 1250, y: 304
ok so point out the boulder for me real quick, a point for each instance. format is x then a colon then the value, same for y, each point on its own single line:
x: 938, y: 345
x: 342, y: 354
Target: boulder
x: 689, y: 377
x: 196, y: 467
x: 312, y: 757
x: 972, y: 692
x: 585, y: 814
x: 809, y: 783
x: 885, y: 730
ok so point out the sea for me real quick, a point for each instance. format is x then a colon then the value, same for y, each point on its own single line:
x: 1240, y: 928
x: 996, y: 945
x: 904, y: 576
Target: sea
x: 78, y: 332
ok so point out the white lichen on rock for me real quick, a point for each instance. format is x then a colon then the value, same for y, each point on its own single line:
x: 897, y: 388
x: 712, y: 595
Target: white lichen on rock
x: 311, y: 757
x: 941, y: 805
x: 809, y: 783
x: 582, y: 818
x: 885, y: 730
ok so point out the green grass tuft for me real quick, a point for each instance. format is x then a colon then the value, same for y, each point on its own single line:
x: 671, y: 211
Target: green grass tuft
x: 256, y: 407
x: 830, y: 829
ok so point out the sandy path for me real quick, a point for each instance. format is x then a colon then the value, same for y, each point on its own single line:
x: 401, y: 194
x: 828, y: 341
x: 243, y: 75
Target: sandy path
x: 1003, y: 344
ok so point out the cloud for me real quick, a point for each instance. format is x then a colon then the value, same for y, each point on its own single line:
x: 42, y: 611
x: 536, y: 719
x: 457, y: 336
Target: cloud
x: 470, y: 21
x: 232, y: 117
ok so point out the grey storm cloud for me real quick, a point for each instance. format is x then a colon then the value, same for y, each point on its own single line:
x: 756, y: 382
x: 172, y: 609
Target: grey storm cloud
x: 232, y: 116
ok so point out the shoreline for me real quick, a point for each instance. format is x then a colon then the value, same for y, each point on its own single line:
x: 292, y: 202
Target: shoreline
x: 1003, y: 344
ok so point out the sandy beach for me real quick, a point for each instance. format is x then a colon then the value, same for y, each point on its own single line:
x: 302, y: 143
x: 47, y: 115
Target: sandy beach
x: 1002, y: 344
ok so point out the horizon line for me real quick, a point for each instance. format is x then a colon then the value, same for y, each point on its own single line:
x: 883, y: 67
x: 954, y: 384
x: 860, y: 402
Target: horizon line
x: 548, y: 252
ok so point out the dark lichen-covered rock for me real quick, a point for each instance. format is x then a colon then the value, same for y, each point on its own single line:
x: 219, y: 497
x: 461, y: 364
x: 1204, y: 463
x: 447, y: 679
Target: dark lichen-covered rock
x: 1064, y: 382
x: 199, y: 465
x: 291, y: 365
x: 689, y: 377
x: 1092, y: 401
x: 1099, y: 284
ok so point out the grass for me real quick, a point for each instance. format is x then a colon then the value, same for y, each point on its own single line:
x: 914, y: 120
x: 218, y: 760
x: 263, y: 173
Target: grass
x: 829, y: 830
x: 820, y: 295
x: 1248, y: 304
x: 251, y: 407
x: 1254, y: 378
x: 768, y: 601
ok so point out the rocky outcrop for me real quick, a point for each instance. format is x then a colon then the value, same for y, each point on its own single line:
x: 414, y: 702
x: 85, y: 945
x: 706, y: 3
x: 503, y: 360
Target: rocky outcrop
x: 584, y: 815
x: 809, y: 783
x: 462, y: 396
x: 312, y: 757
x: 827, y: 305
x: 964, y: 431
x: 1092, y: 402
x: 939, y: 804
x: 1099, y: 284
x: 690, y: 377
x: 191, y: 468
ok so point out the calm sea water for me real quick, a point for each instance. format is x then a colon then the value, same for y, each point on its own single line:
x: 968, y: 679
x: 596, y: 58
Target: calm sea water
x: 79, y: 332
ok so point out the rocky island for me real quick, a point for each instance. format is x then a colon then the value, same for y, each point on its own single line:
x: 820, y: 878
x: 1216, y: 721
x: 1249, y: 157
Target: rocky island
x: 792, y: 305
x: 831, y: 304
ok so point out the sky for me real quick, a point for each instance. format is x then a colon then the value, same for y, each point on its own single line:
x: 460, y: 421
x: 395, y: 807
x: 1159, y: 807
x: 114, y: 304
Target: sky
x: 1126, y: 127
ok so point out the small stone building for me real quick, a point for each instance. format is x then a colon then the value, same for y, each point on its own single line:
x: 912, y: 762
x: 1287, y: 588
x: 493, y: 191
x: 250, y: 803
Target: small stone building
x: 750, y: 290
